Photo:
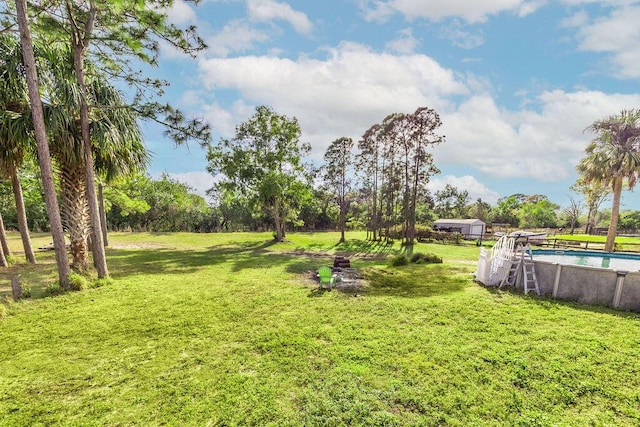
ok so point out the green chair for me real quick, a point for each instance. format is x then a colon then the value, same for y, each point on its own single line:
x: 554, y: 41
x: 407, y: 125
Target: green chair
x: 326, y: 277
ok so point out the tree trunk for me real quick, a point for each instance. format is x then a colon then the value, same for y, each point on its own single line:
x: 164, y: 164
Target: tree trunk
x: 278, y: 223
x: 44, y: 159
x: 615, y: 215
x: 3, y: 240
x: 21, y: 213
x: 343, y: 219
x: 588, y: 227
x: 75, y: 213
x: 3, y: 260
x: 97, y: 244
x: 103, y: 215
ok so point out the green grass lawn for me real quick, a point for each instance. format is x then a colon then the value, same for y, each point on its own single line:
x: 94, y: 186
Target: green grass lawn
x: 623, y: 244
x: 230, y: 329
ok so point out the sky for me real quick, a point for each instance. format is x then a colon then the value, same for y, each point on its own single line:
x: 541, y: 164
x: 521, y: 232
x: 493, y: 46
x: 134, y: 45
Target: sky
x: 515, y: 82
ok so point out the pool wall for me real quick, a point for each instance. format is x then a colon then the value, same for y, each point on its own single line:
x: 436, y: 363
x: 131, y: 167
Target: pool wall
x: 589, y: 285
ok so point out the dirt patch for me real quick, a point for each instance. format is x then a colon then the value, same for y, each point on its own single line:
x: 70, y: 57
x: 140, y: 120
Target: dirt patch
x: 139, y: 246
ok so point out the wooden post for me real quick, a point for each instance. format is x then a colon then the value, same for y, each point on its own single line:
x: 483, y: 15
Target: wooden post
x: 16, y: 290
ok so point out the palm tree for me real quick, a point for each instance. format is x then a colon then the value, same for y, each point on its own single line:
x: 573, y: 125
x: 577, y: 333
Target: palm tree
x: 42, y: 145
x: 613, y: 158
x: 15, y: 138
x: 116, y: 140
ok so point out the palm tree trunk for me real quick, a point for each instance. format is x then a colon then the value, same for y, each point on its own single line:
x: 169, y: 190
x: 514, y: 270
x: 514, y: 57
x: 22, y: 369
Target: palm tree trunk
x: 75, y: 213
x: 3, y: 239
x: 97, y: 244
x: 44, y: 158
x: 615, y: 215
x: 3, y: 259
x: 21, y: 213
x: 103, y: 215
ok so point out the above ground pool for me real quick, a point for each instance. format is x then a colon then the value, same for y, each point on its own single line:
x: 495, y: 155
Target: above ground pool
x: 613, y: 261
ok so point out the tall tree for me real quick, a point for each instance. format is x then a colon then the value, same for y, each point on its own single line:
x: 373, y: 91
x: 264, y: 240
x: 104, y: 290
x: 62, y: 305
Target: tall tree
x: 15, y: 137
x: 451, y: 202
x: 480, y: 209
x: 573, y: 212
x: 368, y: 161
x: 423, y: 124
x: 338, y: 160
x: 263, y: 163
x: 594, y: 193
x: 506, y: 210
x: 613, y: 158
x: 117, y: 31
x: 44, y: 160
x: 115, y: 138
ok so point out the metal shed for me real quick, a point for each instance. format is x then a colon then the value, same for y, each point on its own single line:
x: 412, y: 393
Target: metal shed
x: 469, y: 228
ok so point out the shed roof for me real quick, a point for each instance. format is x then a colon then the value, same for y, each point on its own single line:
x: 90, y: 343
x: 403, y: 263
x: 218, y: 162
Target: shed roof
x: 458, y: 221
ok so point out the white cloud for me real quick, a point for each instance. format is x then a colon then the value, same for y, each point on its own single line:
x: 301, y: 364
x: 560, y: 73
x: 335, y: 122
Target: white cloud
x: 469, y: 10
x: 617, y: 34
x: 577, y: 20
x: 180, y: 13
x: 236, y: 36
x: 405, y: 43
x: 476, y: 189
x: 268, y: 10
x: 544, y: 144
x: 336, y: 96
x: 459, y: 37
x: 200, y: 182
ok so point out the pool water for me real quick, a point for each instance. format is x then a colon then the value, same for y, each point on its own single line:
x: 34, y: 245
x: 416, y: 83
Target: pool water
x: 613, y: 261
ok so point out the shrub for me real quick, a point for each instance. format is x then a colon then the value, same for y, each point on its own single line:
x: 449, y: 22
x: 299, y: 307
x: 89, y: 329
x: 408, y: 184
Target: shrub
x: 3, y: 311
x: 78, y: 282
x: 423, y: 233
x: 53, y: 289
x: 457, y: 237
x: 105, y: 281
x: 399, y: 260
x: 419, y: 258
x: 26, y: 290
x: 439, y: 235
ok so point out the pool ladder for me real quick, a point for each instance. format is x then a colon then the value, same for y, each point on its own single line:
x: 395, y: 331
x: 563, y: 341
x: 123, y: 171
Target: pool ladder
x: 522, y: 264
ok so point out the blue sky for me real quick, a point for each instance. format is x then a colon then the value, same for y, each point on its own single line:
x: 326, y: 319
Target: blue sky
x: 515, y: 82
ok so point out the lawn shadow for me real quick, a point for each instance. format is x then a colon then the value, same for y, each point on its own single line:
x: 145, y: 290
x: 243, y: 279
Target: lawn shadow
x: 364, y: 248
x: 413, y: 281
x: 241, y: 255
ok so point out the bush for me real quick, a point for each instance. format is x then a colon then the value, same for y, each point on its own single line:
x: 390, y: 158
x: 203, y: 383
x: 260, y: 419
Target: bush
x: 457, y: 237
x: 53, y: 289
x: 106, y: 281
x: 423, y: 233
x: 399, y: 260
x: 419, y: 258
x: 26, y: 290
x: 3, y: 311
x: 77, y: 282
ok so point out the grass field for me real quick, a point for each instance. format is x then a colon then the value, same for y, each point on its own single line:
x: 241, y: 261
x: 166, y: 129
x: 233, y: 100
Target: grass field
x: 230, y: 329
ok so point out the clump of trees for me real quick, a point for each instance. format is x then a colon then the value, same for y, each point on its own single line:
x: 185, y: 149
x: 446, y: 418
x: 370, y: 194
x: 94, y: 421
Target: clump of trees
x: 76, y: 45
x: 262, y: 166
